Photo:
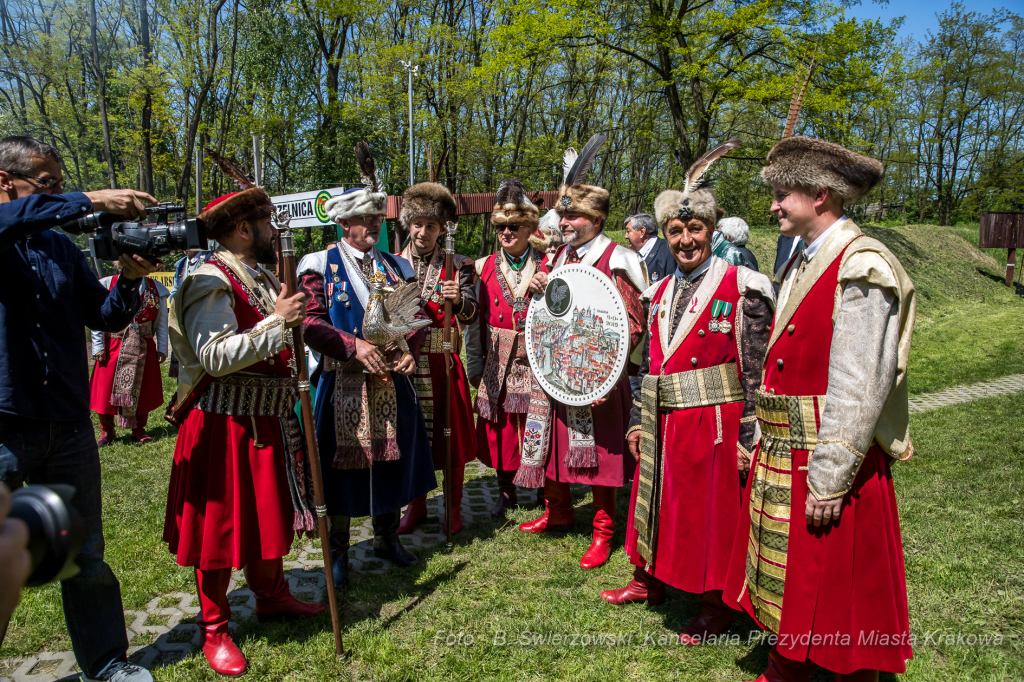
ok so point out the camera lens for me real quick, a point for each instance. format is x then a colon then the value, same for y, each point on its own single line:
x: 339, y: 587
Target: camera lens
x: 56, y: 530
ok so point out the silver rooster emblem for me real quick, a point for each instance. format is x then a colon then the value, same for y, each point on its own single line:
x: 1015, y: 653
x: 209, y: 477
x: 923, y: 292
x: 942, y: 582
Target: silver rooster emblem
x: 387, y: 321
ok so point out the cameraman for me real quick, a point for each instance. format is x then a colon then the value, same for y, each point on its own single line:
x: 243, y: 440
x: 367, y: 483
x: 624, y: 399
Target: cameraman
x: 48, y: 295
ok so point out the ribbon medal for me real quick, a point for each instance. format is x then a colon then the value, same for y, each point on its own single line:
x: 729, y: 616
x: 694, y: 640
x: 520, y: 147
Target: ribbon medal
x: 720, y: 308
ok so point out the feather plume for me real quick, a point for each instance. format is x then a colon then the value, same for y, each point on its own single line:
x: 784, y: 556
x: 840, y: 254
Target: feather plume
x: 402, y: 306
x: 568, y: 159
x: 797, y: 102
x: 510, y: 191
x: 578, y: 173
x: 701, y: 165
x: 367, y: 169
x: 232, y: 170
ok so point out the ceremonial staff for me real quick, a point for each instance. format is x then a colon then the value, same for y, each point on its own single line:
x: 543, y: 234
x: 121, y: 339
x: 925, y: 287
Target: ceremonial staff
x: 286, y: 243
x: 449, y: 271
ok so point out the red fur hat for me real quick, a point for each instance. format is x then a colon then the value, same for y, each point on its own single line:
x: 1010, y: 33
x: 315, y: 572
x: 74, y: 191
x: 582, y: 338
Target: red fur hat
x: 223, y: 213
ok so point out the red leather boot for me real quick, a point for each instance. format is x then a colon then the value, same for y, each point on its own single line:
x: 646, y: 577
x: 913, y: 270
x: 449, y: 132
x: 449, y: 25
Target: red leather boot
x: 781, y: 669
x: 458, y: 479
x: 559, y: 513
x: 604, y: 527
x: 644, y: 587
x: 220, y: 651
x: 274, y: 601
x: 107, y: 433
x: 414, y: 515
x: 714, y: 619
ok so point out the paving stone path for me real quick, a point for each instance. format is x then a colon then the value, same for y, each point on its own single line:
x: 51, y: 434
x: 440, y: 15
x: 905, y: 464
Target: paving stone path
x: 963, y: 394
x: 158, y: 636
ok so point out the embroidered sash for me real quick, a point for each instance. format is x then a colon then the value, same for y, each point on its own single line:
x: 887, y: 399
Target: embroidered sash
x: 365, y: 416
x: 131, y: 358
x: 704, y: 387
x: 787, y: 423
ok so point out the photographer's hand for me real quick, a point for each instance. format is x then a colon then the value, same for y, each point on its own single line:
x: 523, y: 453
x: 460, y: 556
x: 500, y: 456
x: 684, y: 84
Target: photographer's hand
x: 135, y: 267
x: 15, y: 562
x: 123, y: 202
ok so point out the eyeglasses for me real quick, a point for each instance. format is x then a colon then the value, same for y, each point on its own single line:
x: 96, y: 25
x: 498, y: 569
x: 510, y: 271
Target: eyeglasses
x: 49, y: 183
x: 508, y: 226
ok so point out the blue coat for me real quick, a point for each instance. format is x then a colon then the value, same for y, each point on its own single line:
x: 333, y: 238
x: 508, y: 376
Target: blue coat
x: 384, y: 486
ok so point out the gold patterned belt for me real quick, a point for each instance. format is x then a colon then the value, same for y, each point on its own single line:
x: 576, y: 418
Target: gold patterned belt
x: 249, y: 395
x: 435, y: 340
x: 704, y: 387
x: 791, y: 418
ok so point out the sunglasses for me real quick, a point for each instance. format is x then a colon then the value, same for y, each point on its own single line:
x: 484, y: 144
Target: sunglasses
x: 509, y: 227
x: 49, y: 183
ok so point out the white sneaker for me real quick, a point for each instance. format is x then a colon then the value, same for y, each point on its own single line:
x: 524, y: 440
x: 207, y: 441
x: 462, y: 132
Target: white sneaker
x: 121, y: 671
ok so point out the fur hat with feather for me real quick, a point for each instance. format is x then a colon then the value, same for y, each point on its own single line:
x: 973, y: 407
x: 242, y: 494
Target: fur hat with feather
x: 695, y: 199
x: 430, y: 200
x: 512, y: 207
x: 817, y: 164
x: 370, y: 199
x: 548, y: 233
x: 573, y: 195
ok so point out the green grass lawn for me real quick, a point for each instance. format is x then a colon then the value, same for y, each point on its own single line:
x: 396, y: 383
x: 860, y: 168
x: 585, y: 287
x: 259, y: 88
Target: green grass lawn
x: 960, y: 498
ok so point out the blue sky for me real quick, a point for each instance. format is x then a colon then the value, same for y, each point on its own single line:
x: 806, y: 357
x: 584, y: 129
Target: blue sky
x: 920, y: 14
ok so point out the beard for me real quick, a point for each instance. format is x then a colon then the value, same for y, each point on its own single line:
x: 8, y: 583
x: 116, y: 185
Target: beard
x: 266, y: 252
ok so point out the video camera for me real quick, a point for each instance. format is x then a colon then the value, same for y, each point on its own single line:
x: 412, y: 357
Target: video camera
x: 112, y: 236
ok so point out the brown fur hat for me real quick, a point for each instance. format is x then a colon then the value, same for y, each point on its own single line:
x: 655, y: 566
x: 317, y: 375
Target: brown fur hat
x: 817, y: 164
x: 223, y: 213
x: 674, y: 203
x: 512, y: 206
x: 427, y: 200
x: 589, y: 200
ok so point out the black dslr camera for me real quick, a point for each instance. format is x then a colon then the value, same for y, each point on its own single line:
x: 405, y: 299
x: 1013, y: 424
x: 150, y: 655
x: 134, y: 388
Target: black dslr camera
x: 56, y: 530
x: 112, y: 236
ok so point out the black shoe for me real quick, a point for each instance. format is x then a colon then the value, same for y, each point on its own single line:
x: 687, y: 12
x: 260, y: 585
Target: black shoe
x: 393, y: 551
x: 506, y: 501
x: 339, y: 566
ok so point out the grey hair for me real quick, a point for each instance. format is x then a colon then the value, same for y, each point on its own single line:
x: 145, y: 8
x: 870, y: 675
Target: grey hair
x: 21, y: 154
x: 645, y: 221
x: 736, y: 229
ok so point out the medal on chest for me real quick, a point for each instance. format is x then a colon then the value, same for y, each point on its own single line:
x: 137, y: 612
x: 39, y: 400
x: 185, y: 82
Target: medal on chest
x: 720, y: 309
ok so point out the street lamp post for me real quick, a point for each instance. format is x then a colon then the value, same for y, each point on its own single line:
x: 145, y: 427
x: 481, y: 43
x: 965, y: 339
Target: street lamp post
x: 413, y: 70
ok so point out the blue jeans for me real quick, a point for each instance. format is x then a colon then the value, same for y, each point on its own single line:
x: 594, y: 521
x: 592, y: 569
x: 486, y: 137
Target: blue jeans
x: 45, y: 452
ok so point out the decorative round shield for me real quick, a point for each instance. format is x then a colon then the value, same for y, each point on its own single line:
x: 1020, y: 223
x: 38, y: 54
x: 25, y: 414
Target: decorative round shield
x: 577, y: 335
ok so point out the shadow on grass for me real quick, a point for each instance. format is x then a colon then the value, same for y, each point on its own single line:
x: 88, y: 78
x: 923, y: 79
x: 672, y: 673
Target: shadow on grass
x: 1018, y: 288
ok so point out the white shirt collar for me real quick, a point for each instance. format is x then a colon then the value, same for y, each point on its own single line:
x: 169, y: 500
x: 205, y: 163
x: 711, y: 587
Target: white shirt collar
x: 647, y: 247
x: 255, y: 273
x: 696, y: 272
x: 580, y: 250
x: 813, y: 247
x: 356, y: 253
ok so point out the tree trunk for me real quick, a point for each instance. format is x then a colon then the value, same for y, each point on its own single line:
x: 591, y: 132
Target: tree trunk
x: 101, y: 81
x: 147, y: 104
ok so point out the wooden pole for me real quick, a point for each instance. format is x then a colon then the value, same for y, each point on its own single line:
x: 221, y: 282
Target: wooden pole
x: 288, y: 267
x: 1011, y: 261
x: 449, y: 258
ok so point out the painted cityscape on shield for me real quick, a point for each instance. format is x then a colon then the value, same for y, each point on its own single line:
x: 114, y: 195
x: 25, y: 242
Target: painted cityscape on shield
x: 578, y: 352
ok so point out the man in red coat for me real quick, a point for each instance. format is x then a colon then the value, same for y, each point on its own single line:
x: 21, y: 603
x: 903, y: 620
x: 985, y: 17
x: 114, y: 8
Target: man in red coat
x: 126, y: 381
x: 598, y: 439
x: 426, y: 208
x: 692, y: 426
x: 819, y: 558
x: 238, y: 490
x: 495, y: 347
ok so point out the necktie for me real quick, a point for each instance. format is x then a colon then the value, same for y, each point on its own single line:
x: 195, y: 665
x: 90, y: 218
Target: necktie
x: 571, y: 256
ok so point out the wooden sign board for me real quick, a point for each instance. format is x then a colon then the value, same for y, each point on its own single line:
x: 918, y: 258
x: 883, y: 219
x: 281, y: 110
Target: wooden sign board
x: 1003, y: 230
